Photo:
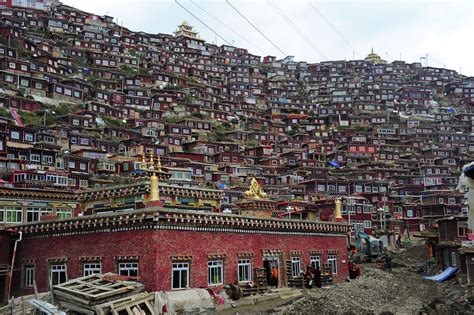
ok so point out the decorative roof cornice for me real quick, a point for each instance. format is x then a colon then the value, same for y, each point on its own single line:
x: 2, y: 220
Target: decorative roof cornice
x: 179, y: 220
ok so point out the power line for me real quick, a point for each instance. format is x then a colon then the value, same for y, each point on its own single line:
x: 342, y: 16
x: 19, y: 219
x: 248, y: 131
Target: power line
x: 333, y: 27
x: 300, y: 33
x: 203, y: 23
x: 256, y: 28
x: 227, y: 26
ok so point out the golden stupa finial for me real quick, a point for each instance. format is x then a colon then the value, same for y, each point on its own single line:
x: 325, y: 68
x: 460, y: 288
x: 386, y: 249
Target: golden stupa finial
x: 152, y: 160
x: 255, y: 191
x: 158, y: 163
x: 143, y: 163
x: 154, y: 188
x: 338, y: 210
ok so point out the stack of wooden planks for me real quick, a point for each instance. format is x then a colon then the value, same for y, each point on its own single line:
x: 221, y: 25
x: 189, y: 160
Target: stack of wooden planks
x: 103, y: 294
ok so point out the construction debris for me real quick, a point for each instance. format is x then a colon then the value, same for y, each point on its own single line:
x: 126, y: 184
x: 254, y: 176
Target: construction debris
x: 22, y: 305
x: 103, y: 294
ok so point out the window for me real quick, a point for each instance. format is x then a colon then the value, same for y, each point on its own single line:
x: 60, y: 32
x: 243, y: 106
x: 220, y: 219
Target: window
x: 24, y: 82
x: 32, y: 214
x: 180, y: 276
x: 28, y: 137
x: 63, y: 213
x: 129, y: 269
x: 215, y: 272
x: 14, y: 214
x: 315, y: 262
x: 295, y: 266
x: 34, y: 157
x: 82, y: 166
x: 58, y: 274
x: 29, y: 275
x: 15, y: 135
x: 47, y: 159
x: 332, y: 262
x: 92, y: 268
x: 244, y: 270
x: 367, y: 224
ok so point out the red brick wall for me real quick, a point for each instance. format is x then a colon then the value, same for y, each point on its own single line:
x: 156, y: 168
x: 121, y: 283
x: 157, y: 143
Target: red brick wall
x: 155, y: 249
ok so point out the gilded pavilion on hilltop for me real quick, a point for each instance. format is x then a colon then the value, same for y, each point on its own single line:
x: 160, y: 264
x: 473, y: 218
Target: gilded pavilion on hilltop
x: 376, y: 59
x: 186, y: 30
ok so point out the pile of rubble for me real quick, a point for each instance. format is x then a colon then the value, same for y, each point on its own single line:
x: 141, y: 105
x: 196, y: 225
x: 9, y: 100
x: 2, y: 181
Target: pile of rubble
x: 412, y: 257
x: 377, y: 291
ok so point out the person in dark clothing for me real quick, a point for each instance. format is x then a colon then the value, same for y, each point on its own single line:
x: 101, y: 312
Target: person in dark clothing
x: 309, y: 276
x: 399, y: 241
x: 317, y: 277
x: 388, y: 263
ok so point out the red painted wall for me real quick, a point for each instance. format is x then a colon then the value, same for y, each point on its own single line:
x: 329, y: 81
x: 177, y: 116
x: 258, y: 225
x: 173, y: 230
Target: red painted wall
x: 155, y: 249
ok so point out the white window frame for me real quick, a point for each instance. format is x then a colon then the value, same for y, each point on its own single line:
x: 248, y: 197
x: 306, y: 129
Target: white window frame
x: 15, y: 213
x: 244, y: 270
x: 57, y: 268
x: 29, y: 276
x: 215, y: 268
x: 127, y: 268
x: 91, y: 268
x: 295, y: 266
x: 332, y: 262
x: 315, y: 260
x: 180, y: 268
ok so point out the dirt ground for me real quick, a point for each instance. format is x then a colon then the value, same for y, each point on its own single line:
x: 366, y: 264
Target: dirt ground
x: 402, y: 291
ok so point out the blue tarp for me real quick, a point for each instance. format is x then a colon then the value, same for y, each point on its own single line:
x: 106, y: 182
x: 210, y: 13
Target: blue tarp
x: 451, y: 110
x: 445, y: 274
x: 332, y: 163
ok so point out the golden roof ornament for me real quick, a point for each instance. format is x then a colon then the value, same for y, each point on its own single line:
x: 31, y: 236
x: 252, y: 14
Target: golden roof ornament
x: 152, y: 160
x: 158, y: 164
x: 255, y: 191
x: 143, y: 163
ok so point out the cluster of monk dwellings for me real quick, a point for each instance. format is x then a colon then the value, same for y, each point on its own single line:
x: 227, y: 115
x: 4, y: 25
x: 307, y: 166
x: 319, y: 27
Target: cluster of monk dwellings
x: 97, y: 119
x: 81, y: 116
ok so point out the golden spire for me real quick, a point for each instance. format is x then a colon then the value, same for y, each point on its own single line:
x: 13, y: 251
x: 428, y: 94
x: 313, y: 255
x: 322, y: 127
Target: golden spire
x: 143, y: 164
x: 154, y: 189
x: 255, y: 191
x: 158, y: 164
x: 338, y: 210
x: 152, y: 160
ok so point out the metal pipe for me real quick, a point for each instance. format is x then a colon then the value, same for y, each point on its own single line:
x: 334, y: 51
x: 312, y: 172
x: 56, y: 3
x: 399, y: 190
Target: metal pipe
x: 10, y: 272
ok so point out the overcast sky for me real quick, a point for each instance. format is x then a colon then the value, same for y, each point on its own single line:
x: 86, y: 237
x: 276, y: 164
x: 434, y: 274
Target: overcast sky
x: 441, y: 29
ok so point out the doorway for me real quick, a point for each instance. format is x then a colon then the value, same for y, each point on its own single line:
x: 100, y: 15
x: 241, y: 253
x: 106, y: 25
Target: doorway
x: 272, y: 271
